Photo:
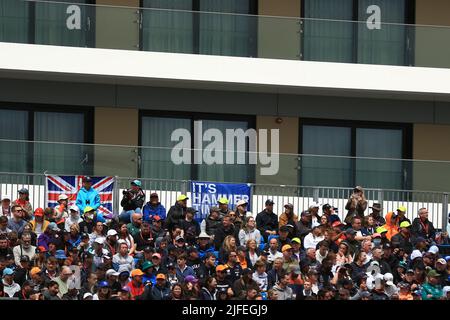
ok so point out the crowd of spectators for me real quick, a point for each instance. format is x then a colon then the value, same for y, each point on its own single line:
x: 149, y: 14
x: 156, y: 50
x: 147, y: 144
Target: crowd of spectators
x: 73, y: 252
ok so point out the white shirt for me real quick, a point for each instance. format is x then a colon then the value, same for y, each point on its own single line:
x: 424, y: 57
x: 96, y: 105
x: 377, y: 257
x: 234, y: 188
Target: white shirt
x: 272, y: 256
x: 311, y: 242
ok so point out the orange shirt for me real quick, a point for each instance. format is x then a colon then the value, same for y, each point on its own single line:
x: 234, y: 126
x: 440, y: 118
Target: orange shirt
x: 135, y: 291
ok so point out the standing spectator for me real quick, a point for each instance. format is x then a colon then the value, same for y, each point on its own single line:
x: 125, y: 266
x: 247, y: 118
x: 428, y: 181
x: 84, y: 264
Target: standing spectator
x: 38, y: 223
x: 376, y: 214
x: 6, y: 206
x: 24, y: 249
x: 88, y: 196
x: 356, y: 205
x: 24, y: 202
x: 177, y: 212
x: 132, y: 201
x: 249, y: 232
x: 153, y: 209
x: 282, y: 289
x: 223, y: 207
x: 17, y: 222
x: 213, y: 221
x: 422, y: 227
x: 267, y: 220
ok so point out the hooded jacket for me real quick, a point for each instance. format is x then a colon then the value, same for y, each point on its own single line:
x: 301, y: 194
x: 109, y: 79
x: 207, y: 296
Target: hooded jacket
x: 175, y: 215
x: 10, y: 289
x: 283, y: 294
x: 150, y: 211
x: 88, y: 198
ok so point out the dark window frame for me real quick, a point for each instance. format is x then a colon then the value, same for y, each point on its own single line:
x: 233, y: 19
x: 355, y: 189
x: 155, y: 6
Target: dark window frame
x: 409, y: 45
x: 253, y: 27
x: 31, y: 108
x: 195, y: 116
x: 407, y: 141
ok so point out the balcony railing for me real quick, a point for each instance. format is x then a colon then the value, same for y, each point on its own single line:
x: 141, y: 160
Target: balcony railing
x: 213, y: 33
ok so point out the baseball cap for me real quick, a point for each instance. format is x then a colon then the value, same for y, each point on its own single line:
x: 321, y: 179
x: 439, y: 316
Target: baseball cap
x: 35, y: 270
x: 376, y: 207
x: 136, y: 272
x: 416, y: 254
x: 111, y: 232
x: 157, y: 255
x: 60, y: 254
x: 401, y: 208
x: 6, y: 197
x: 289, y: 205
x: 74, y: 208
x: 284, y: 228
x: 433, y: 273
x: 350, y: 231
x: 326, y: 206
x: 221, y: 267
x: 87, y: 209
x: 191, y: 279
x: 433, y: 249
x: 223, y: 201
x: 87, y: 295
x: 87, y: 179
x: 153, y: 195
x: 53, y: 226
x: 146, y: 265
x: 441, y: 261
x: 241, y: 203
x: 296, y: 240
x: 24, y: 258
x: 179, y: 238
x: 269, y: 202
x: 100, y: 240
x: 7, y: 272
x: 337, y: 224
x: 182, y: 197
x: 62, y: 197
x: 420, y: 239
x: 161, y: 276
x: 191, y: 210
x: 39, y: 212
x: 24, y: 191
x: 410, y: 271
x: 103, y: 284
x: 403, y: 264
x: 387, y: 246
x: 137, y: 183
x: 381, y: 230
x: 405, y: 224
x: 112, y: 272
x: 42, y: 249
x: 286, y: 247
x: 314, y: 205
x: 388, y: 277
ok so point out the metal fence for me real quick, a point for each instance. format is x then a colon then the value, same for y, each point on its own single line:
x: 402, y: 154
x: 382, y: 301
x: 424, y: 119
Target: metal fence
x: 301, y: 197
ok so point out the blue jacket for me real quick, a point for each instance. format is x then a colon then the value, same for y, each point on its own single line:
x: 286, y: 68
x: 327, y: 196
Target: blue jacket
x: 202, y: 252
x: 149, y: 211
x: 88, y: 198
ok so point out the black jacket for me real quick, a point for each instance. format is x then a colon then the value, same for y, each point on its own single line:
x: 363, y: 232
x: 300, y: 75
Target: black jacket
x: 266, y: 221
x: 133, y: 200
x: 418, y: 230
x: 212, y: 225
x: 175, y: 216
x: 399, y: 241
x: 221, y: 233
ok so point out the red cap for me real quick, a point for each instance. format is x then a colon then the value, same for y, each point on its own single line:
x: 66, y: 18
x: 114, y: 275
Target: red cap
x: 39, y: 212
x: 156, y: 218
x: 42, y: 249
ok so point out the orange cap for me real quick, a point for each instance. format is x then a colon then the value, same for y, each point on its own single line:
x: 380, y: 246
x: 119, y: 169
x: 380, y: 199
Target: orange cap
x: 160, y: 276
x: 221, y: 267
x: 34, y: 271
x: 286, y: 247
x: 136, y: 272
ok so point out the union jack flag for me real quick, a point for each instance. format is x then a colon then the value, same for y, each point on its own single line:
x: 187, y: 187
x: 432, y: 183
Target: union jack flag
x: 70, y: 185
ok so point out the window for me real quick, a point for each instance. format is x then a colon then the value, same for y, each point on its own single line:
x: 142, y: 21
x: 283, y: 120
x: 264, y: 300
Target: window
x: 346, y: 41
x: 184, y: 29
x: 348, y: 140
x: 47, y: 23
x: 156, y: 130
x: 39, y: 124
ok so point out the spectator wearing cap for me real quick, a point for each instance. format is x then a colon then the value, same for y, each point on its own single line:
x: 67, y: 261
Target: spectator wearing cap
x: 213, y: 221
x: 313, y: 238
x: 244, y: 283
x: 190, y: 227
x: 73, y: 218
x: 24, y: 249
x: 122, y: 258
x: 304, y: 225
x: 50, y: 234
x: 267, y: 220
x: 21, y: 272
x: 314, y: 211
x: 177, y: 212
x: 249, y: 232
x: 403, y: 238
x: 62, y: 209
x: 329, y: 212
x: 153, y: 209
x: 389, y: 257
x: 204, y: 245
x: 284, y: 236
x: 157, y: 229
x: 441, y: 268
x: 87, y: 196
x: 242, y: 213
x: 404, y: 291
x: 193, y: 259
x: 356, y: 205
x: 111, y: 242
x: 432, y: 290
x: 393, y: 221
x: 17, y: 221
x: 289, y: 263
x: 39, y: 224
x: 288, y: 216
x: 9, y: 286
x: 6, y: 206
x: 352, y: 243
x: 160, y: 291
x: 376, y: 215
x: 225, y: 229
x: 112, y: 279
x: 132, y: 201
x: 422, y: 227
x: 136, y: 285
x: 24, y: 202
x: 223, y: 203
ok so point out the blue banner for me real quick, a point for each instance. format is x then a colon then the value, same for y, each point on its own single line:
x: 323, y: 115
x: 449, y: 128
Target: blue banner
x: 205, y: 195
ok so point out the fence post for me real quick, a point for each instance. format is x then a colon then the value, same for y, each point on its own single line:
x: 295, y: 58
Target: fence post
x: 116, y: 210
x: 184, y: 186
x: 444, y: 212
x: 316, y: 194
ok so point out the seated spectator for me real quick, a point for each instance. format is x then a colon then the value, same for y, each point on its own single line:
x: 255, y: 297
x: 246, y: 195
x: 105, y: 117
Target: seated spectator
x: 304, y: 226
x: 403, y: 238
x: 283, y: 291
x: 283, y: 238
x: 226, y: 229
x: 249, y: 232
x: 153, y: 209
x: 213, y: 221
x: 182, y: 269
x: 24, y: 202
x: 245, y: 283
x: 5, y: 206
x: 132, y: 201
x: 135, y: 285
x: 39, y: 224
x: 288, y: 216
x: 124, y: 234
x: 267, y: 220
x: 17, y: 221
x: 50, y: 234
x: 204, y: 245
x: 97, y: 232
x: 209, y: 290
x: 313, y: 238
x: 330, y: 213
x: 73, y: 218
x: 422, y: 227
x: 176, y: 213
x: 190, y: 227
x: 24, y: 249
x: 251, y: 253
x: 376, y: 215
x: 122, y: 258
